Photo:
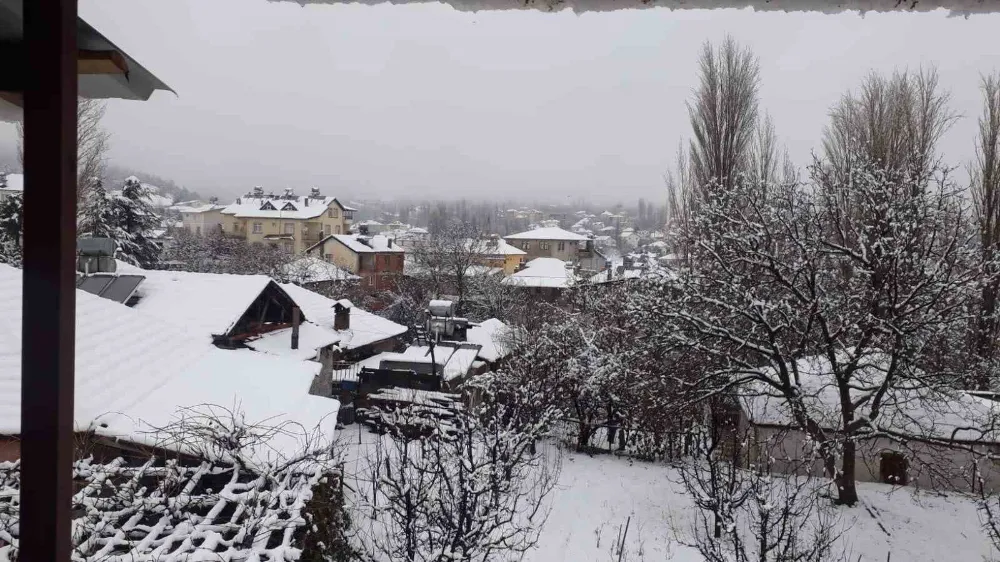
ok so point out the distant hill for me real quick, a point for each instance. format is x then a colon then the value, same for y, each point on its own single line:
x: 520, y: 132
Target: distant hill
x: 165, y: 188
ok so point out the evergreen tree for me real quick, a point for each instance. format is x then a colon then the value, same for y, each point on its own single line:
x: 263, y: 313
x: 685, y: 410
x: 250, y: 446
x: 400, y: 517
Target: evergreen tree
x: 11, y: 217
x: 96, y: 215
x: 132, y: 221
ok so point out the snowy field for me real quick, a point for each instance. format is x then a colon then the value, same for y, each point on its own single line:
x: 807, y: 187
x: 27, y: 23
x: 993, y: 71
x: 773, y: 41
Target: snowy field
x: 597, y: 495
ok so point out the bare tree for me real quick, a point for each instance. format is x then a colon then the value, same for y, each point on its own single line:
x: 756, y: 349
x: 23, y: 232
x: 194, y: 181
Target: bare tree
x: 763, y: 160
x: 724, y: 113
x: 475, y: 489
x: 894, y: 122
x: 746, y: 514
x: 92, y: 145
x: 448, y: 257
x: 866, y: 291
x: 985, y: 183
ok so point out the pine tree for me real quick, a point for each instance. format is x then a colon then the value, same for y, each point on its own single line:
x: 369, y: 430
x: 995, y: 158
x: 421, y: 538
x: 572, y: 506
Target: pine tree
x: 11, y: 215
x: 132, y: 223
x: 96, y: 216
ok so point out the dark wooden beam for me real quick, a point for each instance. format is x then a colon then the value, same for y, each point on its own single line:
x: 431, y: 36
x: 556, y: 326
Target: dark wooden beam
x: 17, y: 65
x: 49, y: 301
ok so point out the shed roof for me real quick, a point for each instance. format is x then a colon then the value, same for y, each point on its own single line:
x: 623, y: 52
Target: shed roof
x: 207, y: 304
x: 543, y: 272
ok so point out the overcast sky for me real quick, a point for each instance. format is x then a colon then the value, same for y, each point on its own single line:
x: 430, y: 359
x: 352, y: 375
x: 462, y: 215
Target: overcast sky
x: 423, y: 100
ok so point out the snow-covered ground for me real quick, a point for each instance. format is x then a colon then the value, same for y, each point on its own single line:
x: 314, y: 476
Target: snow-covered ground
x: 597, y: 495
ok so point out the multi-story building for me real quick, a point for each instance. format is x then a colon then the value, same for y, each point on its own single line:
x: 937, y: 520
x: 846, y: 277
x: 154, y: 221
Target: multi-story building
x: 377, y: 260
x: 554, y: 242
x: 497, y: 253
x: 294, y: 223
x: 201, y: 219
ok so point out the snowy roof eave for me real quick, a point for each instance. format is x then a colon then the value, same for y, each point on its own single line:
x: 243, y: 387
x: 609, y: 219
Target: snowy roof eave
x: 956, y: 7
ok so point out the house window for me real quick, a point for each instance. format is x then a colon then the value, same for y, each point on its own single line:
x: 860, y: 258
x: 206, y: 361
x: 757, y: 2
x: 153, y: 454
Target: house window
x: 892, y: 468
x: 329, y: 257
x: 562, y: 246
x: 287, y: 246
x: 236, y: 226
x: 258, y: 227
x: 326, y: 229
x: 197, y: 230
x: 331, y: 212
x: 289, y: 228
x: 526, y: 246
x: 543, y: 245
x: 337, y: 229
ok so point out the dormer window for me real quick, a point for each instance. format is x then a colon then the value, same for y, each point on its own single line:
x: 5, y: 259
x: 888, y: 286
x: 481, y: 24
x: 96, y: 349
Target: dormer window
x: 267, y: 206
x: 289, y: 207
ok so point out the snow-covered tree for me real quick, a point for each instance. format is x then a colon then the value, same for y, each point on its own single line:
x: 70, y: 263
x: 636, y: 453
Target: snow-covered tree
x: 132, y: 222
x: 96, y: 215
x: 870, y: 273
x: 475, y: 489
x: 11, y: 218
x: 985, y: 175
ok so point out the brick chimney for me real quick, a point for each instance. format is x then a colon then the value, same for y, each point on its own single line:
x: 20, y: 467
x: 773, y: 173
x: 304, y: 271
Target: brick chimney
x: 341, y: 317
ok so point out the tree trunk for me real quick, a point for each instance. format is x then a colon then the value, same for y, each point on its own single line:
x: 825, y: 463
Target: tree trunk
x: 847, y: 491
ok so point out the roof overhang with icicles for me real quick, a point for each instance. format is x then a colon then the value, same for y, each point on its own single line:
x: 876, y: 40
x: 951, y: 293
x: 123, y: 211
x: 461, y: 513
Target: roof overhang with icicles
x: 956, y: 7
x: 104, y: 71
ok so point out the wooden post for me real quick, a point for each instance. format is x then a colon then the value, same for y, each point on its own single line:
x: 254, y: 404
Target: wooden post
x: 296, y: 320
x: 49, y: 300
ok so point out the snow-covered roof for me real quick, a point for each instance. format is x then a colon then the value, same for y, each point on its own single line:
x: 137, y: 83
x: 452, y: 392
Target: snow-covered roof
x: 957, y: 7
x: 295, y: 207
x: 460, y: 361
x: 491, y: 336
x: 421, y: 354
x: 311, y: 269
x: 312, y: 338
x: 208, y: 304
x: 365, y: 328
x: 14, y: 182
x: 543, y: 272
x: 189, y: 209
x: 134, y: 372
x: 546, y: 233
x: 907, y: 409
x: 494, y: 247
x: 365, y: 244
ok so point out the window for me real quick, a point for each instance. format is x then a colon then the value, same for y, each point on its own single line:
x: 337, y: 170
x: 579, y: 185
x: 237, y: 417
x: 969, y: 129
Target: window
x: 543, y: 245
x: 326, y: 229
x: 562, y: 246
x: 289, y: 228
x: 236, y: 226
x: 337, y: 229
x: 258, y: 227
x: 197, y: 230
x: 526, y: 246
x: 892, y: 468
x: 287, y: 246
x: 329, y: 257
x: 331, y: 212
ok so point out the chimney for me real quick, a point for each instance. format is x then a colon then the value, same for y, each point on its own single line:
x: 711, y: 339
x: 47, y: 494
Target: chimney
x: 296, y: 320
x: 388, y: 242
x: 341, y: 317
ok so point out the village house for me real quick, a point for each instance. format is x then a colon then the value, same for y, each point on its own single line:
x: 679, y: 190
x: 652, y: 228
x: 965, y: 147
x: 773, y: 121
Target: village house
x: 560, y: 244
x: 201, y: 220
x: 317, y: 275
x: 136, y: 378
x: 377, y: 260
x: 922, y: 438
x: 288, y: 221
x: 135, y: 370
x: 496, y: 253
